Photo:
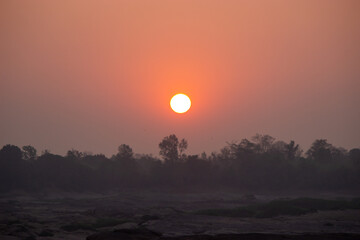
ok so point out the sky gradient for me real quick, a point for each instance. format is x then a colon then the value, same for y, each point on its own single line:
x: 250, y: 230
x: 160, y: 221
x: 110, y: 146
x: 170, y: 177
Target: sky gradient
x: 92, y: 75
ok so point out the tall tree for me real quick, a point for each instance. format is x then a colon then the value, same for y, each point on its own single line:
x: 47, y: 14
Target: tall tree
x: 293, y: 150
x: 10, y: 153
x: 264, y: 142
x: 74, y: 154
x: 320, y: 151
x: 124, y: 152
x: 170, y: 147
x: 29, y: 153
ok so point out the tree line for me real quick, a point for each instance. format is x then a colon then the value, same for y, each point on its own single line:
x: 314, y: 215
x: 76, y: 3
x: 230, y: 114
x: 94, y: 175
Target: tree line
x: 258, y: 164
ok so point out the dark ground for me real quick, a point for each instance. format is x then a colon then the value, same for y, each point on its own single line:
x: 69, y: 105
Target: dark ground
x: 159, y: 215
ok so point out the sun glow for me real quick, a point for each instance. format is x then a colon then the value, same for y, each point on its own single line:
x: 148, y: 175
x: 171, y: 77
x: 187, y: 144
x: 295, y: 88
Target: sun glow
x: 180, y: 103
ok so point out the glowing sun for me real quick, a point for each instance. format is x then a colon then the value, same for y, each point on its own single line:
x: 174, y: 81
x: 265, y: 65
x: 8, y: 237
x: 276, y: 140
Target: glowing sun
x: 180, y: 103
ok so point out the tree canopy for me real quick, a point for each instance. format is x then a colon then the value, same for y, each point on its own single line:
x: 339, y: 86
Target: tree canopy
x: 261, y: 163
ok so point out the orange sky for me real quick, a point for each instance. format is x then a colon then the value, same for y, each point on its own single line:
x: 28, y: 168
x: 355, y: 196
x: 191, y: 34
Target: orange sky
x: 92, y: 75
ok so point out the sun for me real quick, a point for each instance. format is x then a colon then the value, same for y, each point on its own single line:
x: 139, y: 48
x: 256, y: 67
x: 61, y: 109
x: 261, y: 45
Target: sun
x: 180, y: 103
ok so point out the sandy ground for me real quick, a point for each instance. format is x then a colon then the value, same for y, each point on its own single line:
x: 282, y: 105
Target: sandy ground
x: 48, y: 216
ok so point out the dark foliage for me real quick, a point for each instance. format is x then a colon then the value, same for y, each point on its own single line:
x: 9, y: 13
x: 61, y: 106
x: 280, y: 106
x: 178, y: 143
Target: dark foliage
x: 261, y: 163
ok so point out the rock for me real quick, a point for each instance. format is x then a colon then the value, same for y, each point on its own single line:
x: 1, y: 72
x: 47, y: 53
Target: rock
x: 163, y: 211
x: 19, y: 228
x: 20, y: 231
x: 124, y: 226
x: 248, y: 198
x: 149, y: 217
x: 126, y: 234
x: 8, y: 237
x: 46, y: 233
x: 328, y: 224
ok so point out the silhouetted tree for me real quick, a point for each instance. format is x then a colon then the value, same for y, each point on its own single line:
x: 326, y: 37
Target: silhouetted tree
x: 170, y: 148
x: 320, y: 150
x: 10, y: 153
x: 74, y: 154
x: 182, y: 147
x: 263, y: 142
x: 203, y: 156
x: 58, y: 172
x: 29, y: 153
x: 95, y: 161
x: 259, y: 164
x: 243, y: 149
x: 13, y: 172
x: 125, y: 152
x: 293, y: 151
x: 123, y: 170
x: 45, y: 152
x: 354, y: 155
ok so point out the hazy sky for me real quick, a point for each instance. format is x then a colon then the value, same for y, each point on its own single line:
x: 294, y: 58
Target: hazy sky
x: 92, y: 75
